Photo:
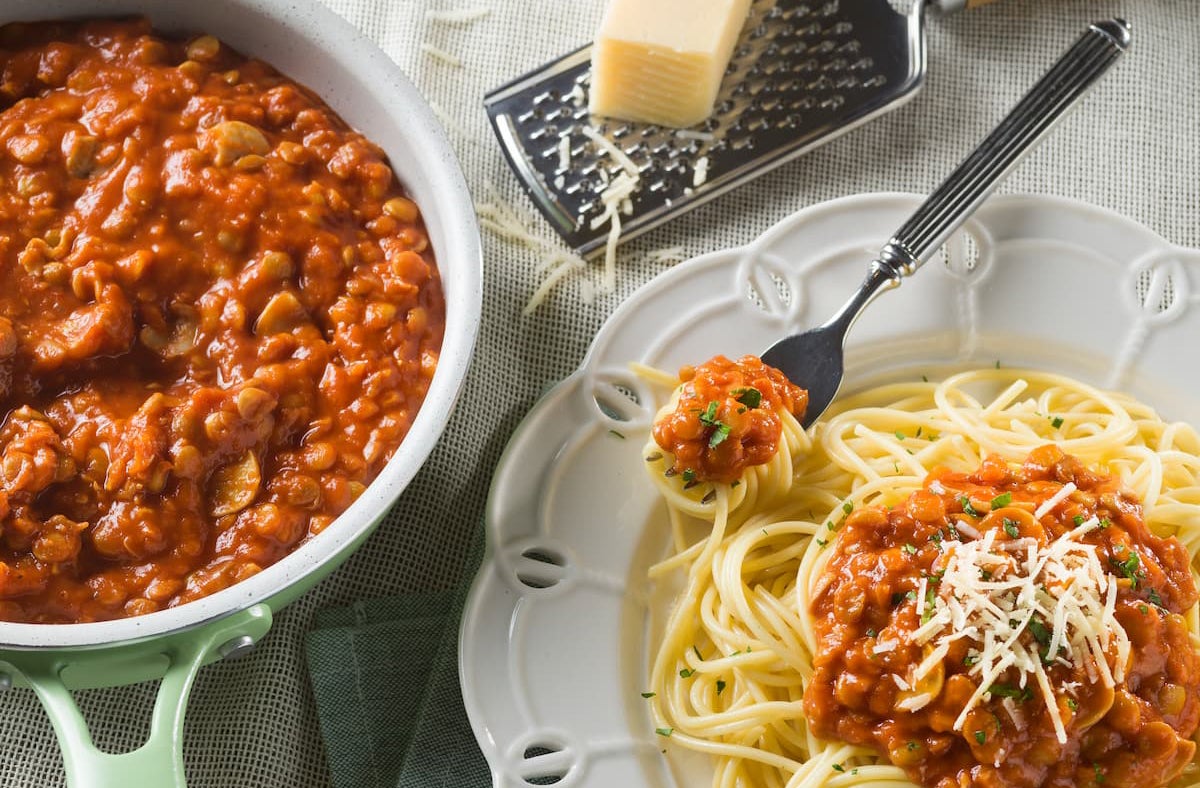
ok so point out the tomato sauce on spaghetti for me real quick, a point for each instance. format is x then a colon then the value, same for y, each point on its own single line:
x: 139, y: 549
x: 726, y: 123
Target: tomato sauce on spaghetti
x: 866, y: 610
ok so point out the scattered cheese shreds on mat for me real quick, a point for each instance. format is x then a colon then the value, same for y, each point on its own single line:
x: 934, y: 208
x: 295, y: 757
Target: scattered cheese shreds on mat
x: 441, y: 54
x: 669, y: 255
x: 457, y: 16
x: 448, y: 122
x: 511, y: 223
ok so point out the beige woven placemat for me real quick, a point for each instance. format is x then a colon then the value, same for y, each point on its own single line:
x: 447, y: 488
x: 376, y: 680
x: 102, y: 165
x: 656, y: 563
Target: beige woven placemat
x: 1133, y: 147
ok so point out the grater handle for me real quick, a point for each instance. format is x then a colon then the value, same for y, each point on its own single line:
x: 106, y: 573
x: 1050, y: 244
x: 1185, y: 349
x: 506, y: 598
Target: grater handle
x: 976, y: 177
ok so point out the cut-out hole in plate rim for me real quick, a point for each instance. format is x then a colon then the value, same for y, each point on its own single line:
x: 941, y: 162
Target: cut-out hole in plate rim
x: 538, y: 564
x: 543, y: 758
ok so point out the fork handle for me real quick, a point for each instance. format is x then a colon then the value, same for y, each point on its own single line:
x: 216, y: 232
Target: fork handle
x: 975, y: 178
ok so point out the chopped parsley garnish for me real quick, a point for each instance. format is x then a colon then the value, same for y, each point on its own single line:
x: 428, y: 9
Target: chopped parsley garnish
x: 980, y: 737
x: 1128, y: 567
x: 1041, y: 633
x: 749, y: 396
x: 686, y: 673
x: 720, y: 686
x: 1010, y: 528
x: 664, y: 731
x: 1056, y: 422
x: 1143, y: 609
x: 1072, y: 704
x: 847, y: 507
x: 1098, y: 772
x: 965, y: 503
x: 718, y: 436
x: 1105, y: 522
x: 1077, y: 519
x: 647, y: 694
x: 871, y: 632
x: 616, y: 434
x: 908, y: 548
x: 837, y: 767
x: 1008, y: 691
x: 822, y: 542
x: 1154, y: 598
x: 720, y: 429
x: 899, y: 435
x: 918, y: 432
x: 912, y: 745
x: 970, y: 660
x: 985, y: 574
x: 1002, y: 500
x: 689, y: 476
x: 930, y: 598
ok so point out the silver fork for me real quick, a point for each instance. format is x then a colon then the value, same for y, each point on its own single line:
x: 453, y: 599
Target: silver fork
x: 813, y: 360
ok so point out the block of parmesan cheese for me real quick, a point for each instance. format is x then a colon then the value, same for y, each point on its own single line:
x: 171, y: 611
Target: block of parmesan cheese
x: 661, y: 61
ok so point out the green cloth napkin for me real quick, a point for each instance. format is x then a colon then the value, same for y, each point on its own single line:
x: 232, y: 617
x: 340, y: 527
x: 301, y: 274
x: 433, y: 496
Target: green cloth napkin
x: 385, y: 679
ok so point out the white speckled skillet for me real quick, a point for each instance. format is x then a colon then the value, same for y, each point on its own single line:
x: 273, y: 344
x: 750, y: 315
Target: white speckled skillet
x: 310, y: 44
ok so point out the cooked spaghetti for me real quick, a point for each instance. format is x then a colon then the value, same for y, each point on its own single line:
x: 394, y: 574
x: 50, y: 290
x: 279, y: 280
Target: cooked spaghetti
x: 985, y: 581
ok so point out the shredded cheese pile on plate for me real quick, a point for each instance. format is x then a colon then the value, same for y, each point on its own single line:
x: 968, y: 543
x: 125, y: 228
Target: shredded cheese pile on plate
x: 1023, y: 608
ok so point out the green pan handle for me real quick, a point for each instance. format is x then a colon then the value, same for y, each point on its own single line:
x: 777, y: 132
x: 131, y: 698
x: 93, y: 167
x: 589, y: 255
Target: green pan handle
x: 159, y: 762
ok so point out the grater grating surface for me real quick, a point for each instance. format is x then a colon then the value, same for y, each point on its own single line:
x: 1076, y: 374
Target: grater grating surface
x: 802, y: 73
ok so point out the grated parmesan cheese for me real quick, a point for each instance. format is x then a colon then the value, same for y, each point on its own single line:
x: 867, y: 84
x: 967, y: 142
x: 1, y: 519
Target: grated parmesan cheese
x: 617, y: 198
x: 449, y: 123
x: 440, y: 54
x: 457, y: 16
x: 564, y: 153
x: 510, y: 223
x: 700, y: 172
x: 1054, y: 500
x: 1064, y: 586
x: 670, y: 254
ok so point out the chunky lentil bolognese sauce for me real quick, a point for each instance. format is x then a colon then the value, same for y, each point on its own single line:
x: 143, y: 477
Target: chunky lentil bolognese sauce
x: 726, y: 418
x: 1010, y: 627
x: 219, y: 315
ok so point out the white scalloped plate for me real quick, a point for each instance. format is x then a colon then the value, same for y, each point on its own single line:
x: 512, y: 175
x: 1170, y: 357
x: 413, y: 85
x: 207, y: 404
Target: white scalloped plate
x: 554, y: 646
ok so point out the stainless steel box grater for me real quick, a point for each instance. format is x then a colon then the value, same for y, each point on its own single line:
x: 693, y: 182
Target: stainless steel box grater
x: 802, y: 73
